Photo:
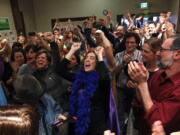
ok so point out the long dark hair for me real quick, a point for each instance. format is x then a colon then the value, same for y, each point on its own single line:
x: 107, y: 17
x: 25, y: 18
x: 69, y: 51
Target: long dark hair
x: 15, y: 50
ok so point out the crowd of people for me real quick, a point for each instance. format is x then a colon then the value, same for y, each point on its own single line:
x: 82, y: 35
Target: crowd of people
x: 62, y: 82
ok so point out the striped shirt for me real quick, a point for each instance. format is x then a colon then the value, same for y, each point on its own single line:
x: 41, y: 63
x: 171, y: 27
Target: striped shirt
x: 122, y: 78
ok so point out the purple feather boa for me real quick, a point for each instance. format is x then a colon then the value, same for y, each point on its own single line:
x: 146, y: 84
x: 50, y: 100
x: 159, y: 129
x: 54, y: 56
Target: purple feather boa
x: 83, y: 90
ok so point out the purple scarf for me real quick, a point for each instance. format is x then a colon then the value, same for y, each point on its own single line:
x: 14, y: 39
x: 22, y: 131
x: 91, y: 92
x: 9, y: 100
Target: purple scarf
x: 83, y: 90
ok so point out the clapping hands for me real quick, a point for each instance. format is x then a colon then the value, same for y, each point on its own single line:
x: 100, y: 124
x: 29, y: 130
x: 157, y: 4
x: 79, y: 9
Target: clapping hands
x: 138, y: 72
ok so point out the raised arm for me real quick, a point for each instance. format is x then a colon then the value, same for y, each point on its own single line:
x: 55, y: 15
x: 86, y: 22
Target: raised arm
x: 165, y: 109
x: 101, y: 67
x: 62, y: 67
x: 108, y: 50
x: 75, y: 46
x: 139, y: 74
x: 50, y: 38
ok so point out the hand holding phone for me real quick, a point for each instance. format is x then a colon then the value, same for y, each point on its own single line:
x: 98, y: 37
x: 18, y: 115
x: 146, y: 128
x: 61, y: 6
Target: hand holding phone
x: 62, y: 119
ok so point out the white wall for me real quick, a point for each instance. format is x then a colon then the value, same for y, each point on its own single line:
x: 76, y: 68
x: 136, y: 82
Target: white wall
x: 45, y: 10
x: 38, y: 13
x: 27, y: 7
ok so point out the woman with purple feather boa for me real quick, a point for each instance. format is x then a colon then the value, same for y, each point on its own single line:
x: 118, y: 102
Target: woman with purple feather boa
x: 89, y: 98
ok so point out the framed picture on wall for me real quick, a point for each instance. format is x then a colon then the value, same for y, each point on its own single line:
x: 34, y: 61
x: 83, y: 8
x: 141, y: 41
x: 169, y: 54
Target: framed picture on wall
x: 4, y: 23
x: 69, y: 23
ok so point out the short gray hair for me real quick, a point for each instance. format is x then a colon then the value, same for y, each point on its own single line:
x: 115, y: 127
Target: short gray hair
x: 176, y: 43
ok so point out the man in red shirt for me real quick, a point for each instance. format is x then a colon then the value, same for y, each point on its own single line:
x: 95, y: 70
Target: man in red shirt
x: 161, y: 95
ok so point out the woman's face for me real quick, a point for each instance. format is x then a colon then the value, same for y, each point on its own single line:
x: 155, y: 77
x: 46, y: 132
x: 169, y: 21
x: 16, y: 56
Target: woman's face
x: 37, y: 40
x: 70, y: 35
x: 42, y: 61
x: 73, y: 62
x: 19, y: 58
x: 76, y: 31
x: 30, y: 55
x: 21, y: 39
x: 90, y: 62
x: 147, y: 54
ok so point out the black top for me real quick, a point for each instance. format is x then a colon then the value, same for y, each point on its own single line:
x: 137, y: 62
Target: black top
x: 8, y: 73
x: 100, y: 100
x: 52, y: 83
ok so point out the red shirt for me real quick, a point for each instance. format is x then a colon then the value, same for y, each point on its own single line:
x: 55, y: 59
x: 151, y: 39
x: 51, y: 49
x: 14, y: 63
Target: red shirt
x: 165, y: 93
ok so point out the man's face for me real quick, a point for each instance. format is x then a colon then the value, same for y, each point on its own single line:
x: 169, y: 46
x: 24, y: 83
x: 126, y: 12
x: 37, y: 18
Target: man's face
x: 98, y: 38
x: 130, y: 44
x: 56, y: 32
x: 93, y: 30
x: 151, y: 28
x: 165, y: 55
x: 70, y: 34
x: 120, y: 31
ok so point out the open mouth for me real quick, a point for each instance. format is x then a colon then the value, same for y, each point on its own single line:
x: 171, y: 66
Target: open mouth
x: 40, y: 63
x: 87, y: 65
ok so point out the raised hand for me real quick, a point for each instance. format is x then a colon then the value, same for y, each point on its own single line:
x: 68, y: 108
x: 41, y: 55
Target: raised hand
x: 4, y: 43
x: 164, y: 28
x: 99, y: 52
x: 75, y: 46
x: 61, y: 118
x: 100, y: 32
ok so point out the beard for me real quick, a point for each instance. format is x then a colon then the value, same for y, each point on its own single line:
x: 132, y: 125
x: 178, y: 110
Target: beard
x: 166, y: 64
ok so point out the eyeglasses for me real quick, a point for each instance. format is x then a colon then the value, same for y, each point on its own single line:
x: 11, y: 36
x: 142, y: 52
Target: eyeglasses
x: 164, y: 49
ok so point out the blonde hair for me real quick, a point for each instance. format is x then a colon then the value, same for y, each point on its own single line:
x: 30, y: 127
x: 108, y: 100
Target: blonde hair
x: 18, y: 120
x: 5, y: 49
x: 154, y: 44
